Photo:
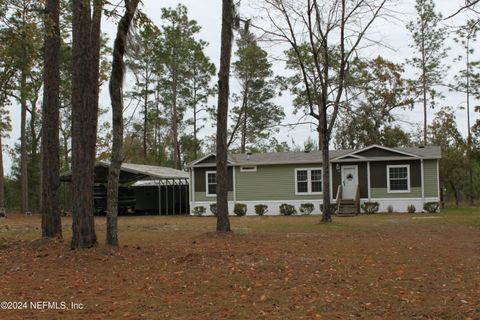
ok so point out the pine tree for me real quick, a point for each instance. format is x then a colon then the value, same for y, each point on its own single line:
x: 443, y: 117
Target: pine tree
x: 87, y: 16
x: 429, y: 38
x: 51, y: 223
x: 223, y: 222
x: 255, y: 114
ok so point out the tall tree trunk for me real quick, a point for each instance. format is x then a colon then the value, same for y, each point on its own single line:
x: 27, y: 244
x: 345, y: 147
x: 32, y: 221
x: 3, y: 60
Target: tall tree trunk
x: 424, y: 89
x: 241, y: 121
x: 116, y: 84
x: 23, y: 144
x: 51, y: 221
x: 324, y: 147
x: 85, y: 89
x: 223, y: 222
x: 176, y: 143
x: 245, y: 118
x: 469, y: 130
x: 2, y: 180
x: 34, y: 161
x: 455, y: 193
x: 195, y: 137
x: 145, y: 114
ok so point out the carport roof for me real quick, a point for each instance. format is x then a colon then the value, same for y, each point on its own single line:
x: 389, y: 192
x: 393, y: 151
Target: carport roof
x: 131, y: 172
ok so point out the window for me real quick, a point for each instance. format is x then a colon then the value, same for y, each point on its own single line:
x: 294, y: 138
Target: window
x: 248, y: 168
x: 211, y: 181
x: 308, y: 181
x: 398, y: 178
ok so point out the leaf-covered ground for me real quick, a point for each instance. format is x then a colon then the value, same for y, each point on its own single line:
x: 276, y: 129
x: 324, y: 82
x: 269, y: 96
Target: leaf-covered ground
x: 396, y: 266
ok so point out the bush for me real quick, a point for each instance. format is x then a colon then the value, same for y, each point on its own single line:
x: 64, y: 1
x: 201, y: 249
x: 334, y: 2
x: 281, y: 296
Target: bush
x: 213, y: 208
x: 240, y: 209
x: 411, y: 208
x: 370, y: 207
x: 261, y: 209
x: 307, y: 208
x: 333, y: 207
x: 287, y: 209
x: 431, y: 207
x: 199, y: 211
x: 390, y: 208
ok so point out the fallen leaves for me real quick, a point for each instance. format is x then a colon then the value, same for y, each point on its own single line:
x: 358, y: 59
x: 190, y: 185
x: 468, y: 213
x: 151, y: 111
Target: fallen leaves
x: 333, y: 274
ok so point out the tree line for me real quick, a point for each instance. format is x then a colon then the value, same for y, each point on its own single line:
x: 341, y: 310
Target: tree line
x: 54, y: 60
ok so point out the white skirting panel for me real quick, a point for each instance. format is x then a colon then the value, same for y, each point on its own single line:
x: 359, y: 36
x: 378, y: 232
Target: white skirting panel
x: 399, y: 205
x: 273, y: 206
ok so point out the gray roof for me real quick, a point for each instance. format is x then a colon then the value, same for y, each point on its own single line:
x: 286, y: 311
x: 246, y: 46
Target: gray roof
x: 284, y: 157
x: 428, y: 152
x: 155, y: 171
x: 131, y: 172
x: 424, y: 152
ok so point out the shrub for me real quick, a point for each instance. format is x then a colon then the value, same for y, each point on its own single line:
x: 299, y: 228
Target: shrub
x: 287, y: 209
x: 307, y: 208
x: 240, y: 209
x: 411, y: 208
x: 431, y: 207
x: 213, y: 208
x: 333, y: 207
x: 370, y: 207
x: 199, y: 211
x: 261, y: 209
x: 390, y: 208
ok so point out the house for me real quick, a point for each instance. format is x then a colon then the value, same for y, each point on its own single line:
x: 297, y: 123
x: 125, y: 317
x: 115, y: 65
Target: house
x: 396, y: 177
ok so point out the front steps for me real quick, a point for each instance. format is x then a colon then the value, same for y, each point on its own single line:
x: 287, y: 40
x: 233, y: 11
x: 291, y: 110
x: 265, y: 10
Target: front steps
x: 347, y: 208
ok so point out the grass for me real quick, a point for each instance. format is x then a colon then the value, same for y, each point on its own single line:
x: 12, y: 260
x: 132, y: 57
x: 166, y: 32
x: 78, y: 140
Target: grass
x: 383, y: 266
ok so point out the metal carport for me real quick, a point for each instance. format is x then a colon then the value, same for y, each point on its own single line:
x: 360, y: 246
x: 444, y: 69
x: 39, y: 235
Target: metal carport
x: 171, y: 181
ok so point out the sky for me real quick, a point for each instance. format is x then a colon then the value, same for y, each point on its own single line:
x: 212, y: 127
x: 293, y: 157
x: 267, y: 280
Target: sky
x: 392, y: 32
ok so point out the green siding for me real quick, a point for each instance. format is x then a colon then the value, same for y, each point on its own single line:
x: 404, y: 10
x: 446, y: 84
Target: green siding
x: 383, y: 193
x: 430, y: 176
x: 201, y: 196
x: 271, y: 182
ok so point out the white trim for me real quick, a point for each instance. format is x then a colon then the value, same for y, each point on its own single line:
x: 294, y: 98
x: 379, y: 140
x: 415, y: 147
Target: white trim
x: 380, y: 147
x: 422, y: 176
x: 206, y: 184
x: 212, y: 165
x: 368, y: 182
x: 201, y: 159
x: 357, y: 177
x: 402, y: 199
x: 194, y: 163
x: 331, y: 179
x: 376, y: 159
x: 438, y: 179
x: 191, y: 185
x: 234, y: 185
x: 408, y: 178
x: 243, y: 168
x: 309, y: 181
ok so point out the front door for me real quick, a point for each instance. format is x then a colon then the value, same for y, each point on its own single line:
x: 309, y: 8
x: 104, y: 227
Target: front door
x: 349, y: 181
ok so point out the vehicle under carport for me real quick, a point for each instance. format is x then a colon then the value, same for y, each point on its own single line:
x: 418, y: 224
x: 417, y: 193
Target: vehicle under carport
x: 144, y: 189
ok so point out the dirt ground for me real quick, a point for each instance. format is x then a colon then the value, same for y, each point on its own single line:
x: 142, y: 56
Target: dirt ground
x: 396, y: 266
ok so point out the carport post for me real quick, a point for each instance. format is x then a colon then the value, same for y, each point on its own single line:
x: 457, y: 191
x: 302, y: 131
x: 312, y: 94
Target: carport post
x: 166, y: 197
x: 174, y: 191
x: 181, y: 189
x: 159, y: 197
